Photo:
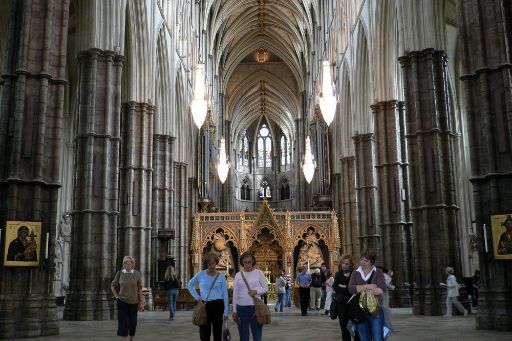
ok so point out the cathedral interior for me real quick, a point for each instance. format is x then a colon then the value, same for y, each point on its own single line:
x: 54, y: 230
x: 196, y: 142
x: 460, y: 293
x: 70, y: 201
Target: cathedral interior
x: 161, y: 129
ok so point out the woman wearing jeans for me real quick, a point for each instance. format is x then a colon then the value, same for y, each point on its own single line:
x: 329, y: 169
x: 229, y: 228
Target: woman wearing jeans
x: 243, y: 304
x: 172, y: 288
x: 368, y: 278
x: 281, y: 291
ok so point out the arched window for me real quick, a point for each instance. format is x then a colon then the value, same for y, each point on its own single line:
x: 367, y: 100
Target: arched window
x: 265, y: 189
x: 264, y: 147
x: 245, y: 190
x: 243, y: 159
x: 284, y: 150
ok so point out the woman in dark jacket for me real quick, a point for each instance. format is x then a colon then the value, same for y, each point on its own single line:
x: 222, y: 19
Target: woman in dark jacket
x: 172, y: 286
x: 340, y: 286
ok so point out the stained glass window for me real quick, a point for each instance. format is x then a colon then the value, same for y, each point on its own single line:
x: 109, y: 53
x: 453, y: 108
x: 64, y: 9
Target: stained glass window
x: 283, y: 150
x: 243, y: 159
x: 264, y: 147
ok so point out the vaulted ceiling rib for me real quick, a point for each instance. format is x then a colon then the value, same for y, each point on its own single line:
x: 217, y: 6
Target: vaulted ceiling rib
x: 237, y: 30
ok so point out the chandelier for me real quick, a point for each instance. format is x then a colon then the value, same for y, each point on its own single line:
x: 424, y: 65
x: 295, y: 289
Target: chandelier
x: 327, y: 100
x: 308, y: 167
x: 198, y: 106
x: 223, y: 166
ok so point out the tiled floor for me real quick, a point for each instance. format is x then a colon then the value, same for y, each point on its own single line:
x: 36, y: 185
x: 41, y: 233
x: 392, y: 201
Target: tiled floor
x: 286, y: 326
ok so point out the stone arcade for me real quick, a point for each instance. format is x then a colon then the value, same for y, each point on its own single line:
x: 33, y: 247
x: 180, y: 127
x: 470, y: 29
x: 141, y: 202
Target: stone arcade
x: 99, y: 146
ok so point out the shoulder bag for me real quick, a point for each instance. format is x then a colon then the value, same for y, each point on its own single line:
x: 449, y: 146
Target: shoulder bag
x: 199, y: 317
x: 263, y: 315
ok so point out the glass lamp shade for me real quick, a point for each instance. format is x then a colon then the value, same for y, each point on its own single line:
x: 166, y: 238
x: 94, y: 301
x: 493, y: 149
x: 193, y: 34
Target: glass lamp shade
x: 327, y: 100
x: 223, y: 166
x: 308, y: 167
x: 198, y: 106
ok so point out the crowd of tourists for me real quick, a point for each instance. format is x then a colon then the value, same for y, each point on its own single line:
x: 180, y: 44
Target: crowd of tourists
x: 358, y: 297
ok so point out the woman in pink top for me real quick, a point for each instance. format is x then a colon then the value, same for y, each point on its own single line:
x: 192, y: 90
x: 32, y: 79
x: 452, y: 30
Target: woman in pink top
x: 243, y: 304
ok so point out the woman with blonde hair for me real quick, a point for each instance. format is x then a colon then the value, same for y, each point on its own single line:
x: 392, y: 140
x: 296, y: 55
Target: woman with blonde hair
x: 172, y: 285
x: 127, y: 289
x: 341, y: 295
x: 214, y: 290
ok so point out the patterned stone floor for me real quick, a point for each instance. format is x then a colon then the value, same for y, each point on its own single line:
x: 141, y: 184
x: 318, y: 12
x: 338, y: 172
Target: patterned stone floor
x: 286, y: 326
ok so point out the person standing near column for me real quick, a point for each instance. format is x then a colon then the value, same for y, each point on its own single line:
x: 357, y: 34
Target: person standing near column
x: 452, y: 292
x: 127, y: 289
x: 303, y: 281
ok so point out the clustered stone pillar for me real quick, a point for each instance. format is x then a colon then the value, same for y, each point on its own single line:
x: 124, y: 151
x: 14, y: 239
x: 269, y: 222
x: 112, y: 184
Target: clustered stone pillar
x: 134, y: 231
x: 366, y: 188
x: 95, y: 210
x: 162, y: 196
x: 393, y: 197
x: 430, y: 142
x: 348, y: 211
x: 486, y: 59
x: 180, y: 214
x: 31, y: 132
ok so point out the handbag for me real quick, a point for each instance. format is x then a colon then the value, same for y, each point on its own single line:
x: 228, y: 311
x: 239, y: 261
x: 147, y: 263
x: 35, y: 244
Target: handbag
x: 355, y: 313
x: 333, y: 309
x: 226, y: 334
x: 199, y: 317
x: 368, y: 302
x: 263, y: 315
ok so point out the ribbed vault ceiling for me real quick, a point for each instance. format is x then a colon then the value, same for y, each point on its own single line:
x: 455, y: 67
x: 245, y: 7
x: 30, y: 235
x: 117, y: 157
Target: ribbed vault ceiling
x: 238, y: 29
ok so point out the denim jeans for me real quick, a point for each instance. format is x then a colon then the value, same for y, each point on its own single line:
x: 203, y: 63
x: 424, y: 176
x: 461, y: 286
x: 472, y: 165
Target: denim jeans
x: 172, y: 297
x: 247, y: 315
x: 280, y: 301
x: 288, y: 298
x: 372, y: 328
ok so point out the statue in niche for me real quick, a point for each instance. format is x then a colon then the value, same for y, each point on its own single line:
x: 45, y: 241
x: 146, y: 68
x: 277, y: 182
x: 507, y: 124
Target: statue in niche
x: 221, y: 247
x: 310, y: 254
x: 62, y: 256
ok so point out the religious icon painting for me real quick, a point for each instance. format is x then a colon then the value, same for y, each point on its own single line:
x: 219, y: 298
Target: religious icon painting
x: 22, y: 243
x: 502, y: 236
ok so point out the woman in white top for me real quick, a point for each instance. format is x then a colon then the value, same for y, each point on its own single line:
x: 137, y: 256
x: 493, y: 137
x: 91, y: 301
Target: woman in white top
x: 243, y: 303
x: 452, y: 291
x: 328, y: 291
x: 281, y: 290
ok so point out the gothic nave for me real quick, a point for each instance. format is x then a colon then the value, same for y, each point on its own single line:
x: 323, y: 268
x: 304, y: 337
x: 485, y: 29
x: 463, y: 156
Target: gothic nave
x: 162, y: 129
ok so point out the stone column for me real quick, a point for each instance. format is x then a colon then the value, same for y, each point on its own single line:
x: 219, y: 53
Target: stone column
x: 301, y: 184
x: 366, y: 188
x: 180, y: 204
x: 393, y: 197
x: 430, y: 142
x: 336, y: 201
x: 134, y: 231
x: 31, y: 115
x: 485, y: 36
x: 95, y: 210
x: 348, y: 202
x: 161, y: 207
